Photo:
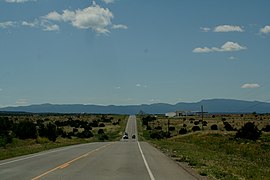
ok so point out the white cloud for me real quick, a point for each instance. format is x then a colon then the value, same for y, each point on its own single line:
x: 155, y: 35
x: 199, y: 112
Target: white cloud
x: 141, y: 86
x: 8, y: 24
x: 228, y: 28
x: 205, y: 29
x: 22, y: 101
x: 265, y: 29
x: 18, y: 1
x: 47, y: 26
x: 231, y: 46
x: 55, y: 16
x: 31, y: 24
x: 227, y: 47
x: 119, y: 26
x: 232, y: 58
x: 108, y: 1
x: 250, y: 86
x: 53, y: 27
x: 202, y: 50
x: 154, y: 100
x: 93, y: 17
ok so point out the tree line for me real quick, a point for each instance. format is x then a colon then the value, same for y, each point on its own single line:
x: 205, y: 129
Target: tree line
x: 29, y: 129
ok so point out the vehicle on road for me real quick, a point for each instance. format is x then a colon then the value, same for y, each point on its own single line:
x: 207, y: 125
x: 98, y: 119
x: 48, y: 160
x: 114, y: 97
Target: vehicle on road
x: 125, y: 136
x: 133, y: 136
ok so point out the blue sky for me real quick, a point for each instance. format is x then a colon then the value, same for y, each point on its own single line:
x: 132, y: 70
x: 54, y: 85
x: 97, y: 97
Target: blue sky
x: 133, y: 52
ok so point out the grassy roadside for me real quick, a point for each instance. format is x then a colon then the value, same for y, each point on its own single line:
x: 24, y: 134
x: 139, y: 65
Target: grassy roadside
x: 140, y: 129
x: 23, y: 147
x: 217, y: 156
x: 20, y: 147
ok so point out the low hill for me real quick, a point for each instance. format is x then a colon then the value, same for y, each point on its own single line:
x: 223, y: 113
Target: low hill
x: 211, y: 106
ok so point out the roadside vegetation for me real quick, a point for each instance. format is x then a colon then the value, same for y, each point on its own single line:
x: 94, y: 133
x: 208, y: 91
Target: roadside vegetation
x: 22, y: 134
x: 217, y: 146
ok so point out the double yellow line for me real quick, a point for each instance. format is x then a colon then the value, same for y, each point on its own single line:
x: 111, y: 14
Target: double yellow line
x: 62, y: 166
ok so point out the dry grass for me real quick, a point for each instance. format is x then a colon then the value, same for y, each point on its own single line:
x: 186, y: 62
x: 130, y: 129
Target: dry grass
x: 217, y: 154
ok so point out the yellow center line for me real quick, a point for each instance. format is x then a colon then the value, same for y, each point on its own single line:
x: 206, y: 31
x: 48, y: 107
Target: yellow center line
x: 62, y: 166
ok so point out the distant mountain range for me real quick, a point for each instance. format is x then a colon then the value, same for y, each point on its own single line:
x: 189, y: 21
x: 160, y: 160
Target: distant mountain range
x: 211, y: 106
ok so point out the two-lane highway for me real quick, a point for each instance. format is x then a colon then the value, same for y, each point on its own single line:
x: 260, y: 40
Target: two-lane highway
x: 126, y: 159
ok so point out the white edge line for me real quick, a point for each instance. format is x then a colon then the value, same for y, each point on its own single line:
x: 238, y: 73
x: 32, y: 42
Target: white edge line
x: 146, y: 164
x: 42, y: 154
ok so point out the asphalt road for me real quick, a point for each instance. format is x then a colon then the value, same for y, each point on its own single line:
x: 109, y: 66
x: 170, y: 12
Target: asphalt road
x: 127, y: 159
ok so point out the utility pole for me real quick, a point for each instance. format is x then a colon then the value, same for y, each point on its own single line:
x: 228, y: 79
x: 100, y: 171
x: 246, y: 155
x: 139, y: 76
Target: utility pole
x: 168, y: 132
x: 202, y: 115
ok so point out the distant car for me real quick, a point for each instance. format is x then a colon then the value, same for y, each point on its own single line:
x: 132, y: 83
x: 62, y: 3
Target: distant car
x: 133, y: 136
x: 125, y: 136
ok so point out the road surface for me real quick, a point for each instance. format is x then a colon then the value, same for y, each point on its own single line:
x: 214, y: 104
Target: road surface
x: 127, y: 159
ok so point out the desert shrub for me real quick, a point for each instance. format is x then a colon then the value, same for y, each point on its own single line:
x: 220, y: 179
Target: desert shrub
x: 103, y: 137
x: 214, y: 127
x: 101, y: 125
x: 213, y: 116
x: 85, y: 134
x: 191, y: 122
x: 183, y: 131
x: 196, y: 122
x: 248, y: 131
x: 148, y: 128
x: 191, y: 119
x: 100, y: 131
x: 5, y: 131
x: 204, y: 123
x: 266, y: 128
x: 158, y: 134
x: 42, y: 140
x: 42, y: 131
x: 147, y: 119
x: 87, y: 127
x: 52, y: 132
x: 4, y: 140
x: 5, y: 125
x: 26, y: 130
x: 106, y: 119
x: 115, y: 123
x: 158, y: 128
x: 94, y: 123
x: 64, y: 134
x: 171, y: 128
x: 75, y: 130
x: 70, y: 134
x: 60, y: 131
x: 228, y: 126
x: 223, y: 119
x: 184, y: 125
x: 196, y: 128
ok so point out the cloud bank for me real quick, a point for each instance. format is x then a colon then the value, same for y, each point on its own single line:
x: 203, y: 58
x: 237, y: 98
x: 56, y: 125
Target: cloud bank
x: 227, y: 47
x: 265, y: 29
x: 18, y: 1
x: 8, y: 24
x: 93, y: 17
x: 108, y: 1
x: 228, y: 28
x: 250, y: 86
